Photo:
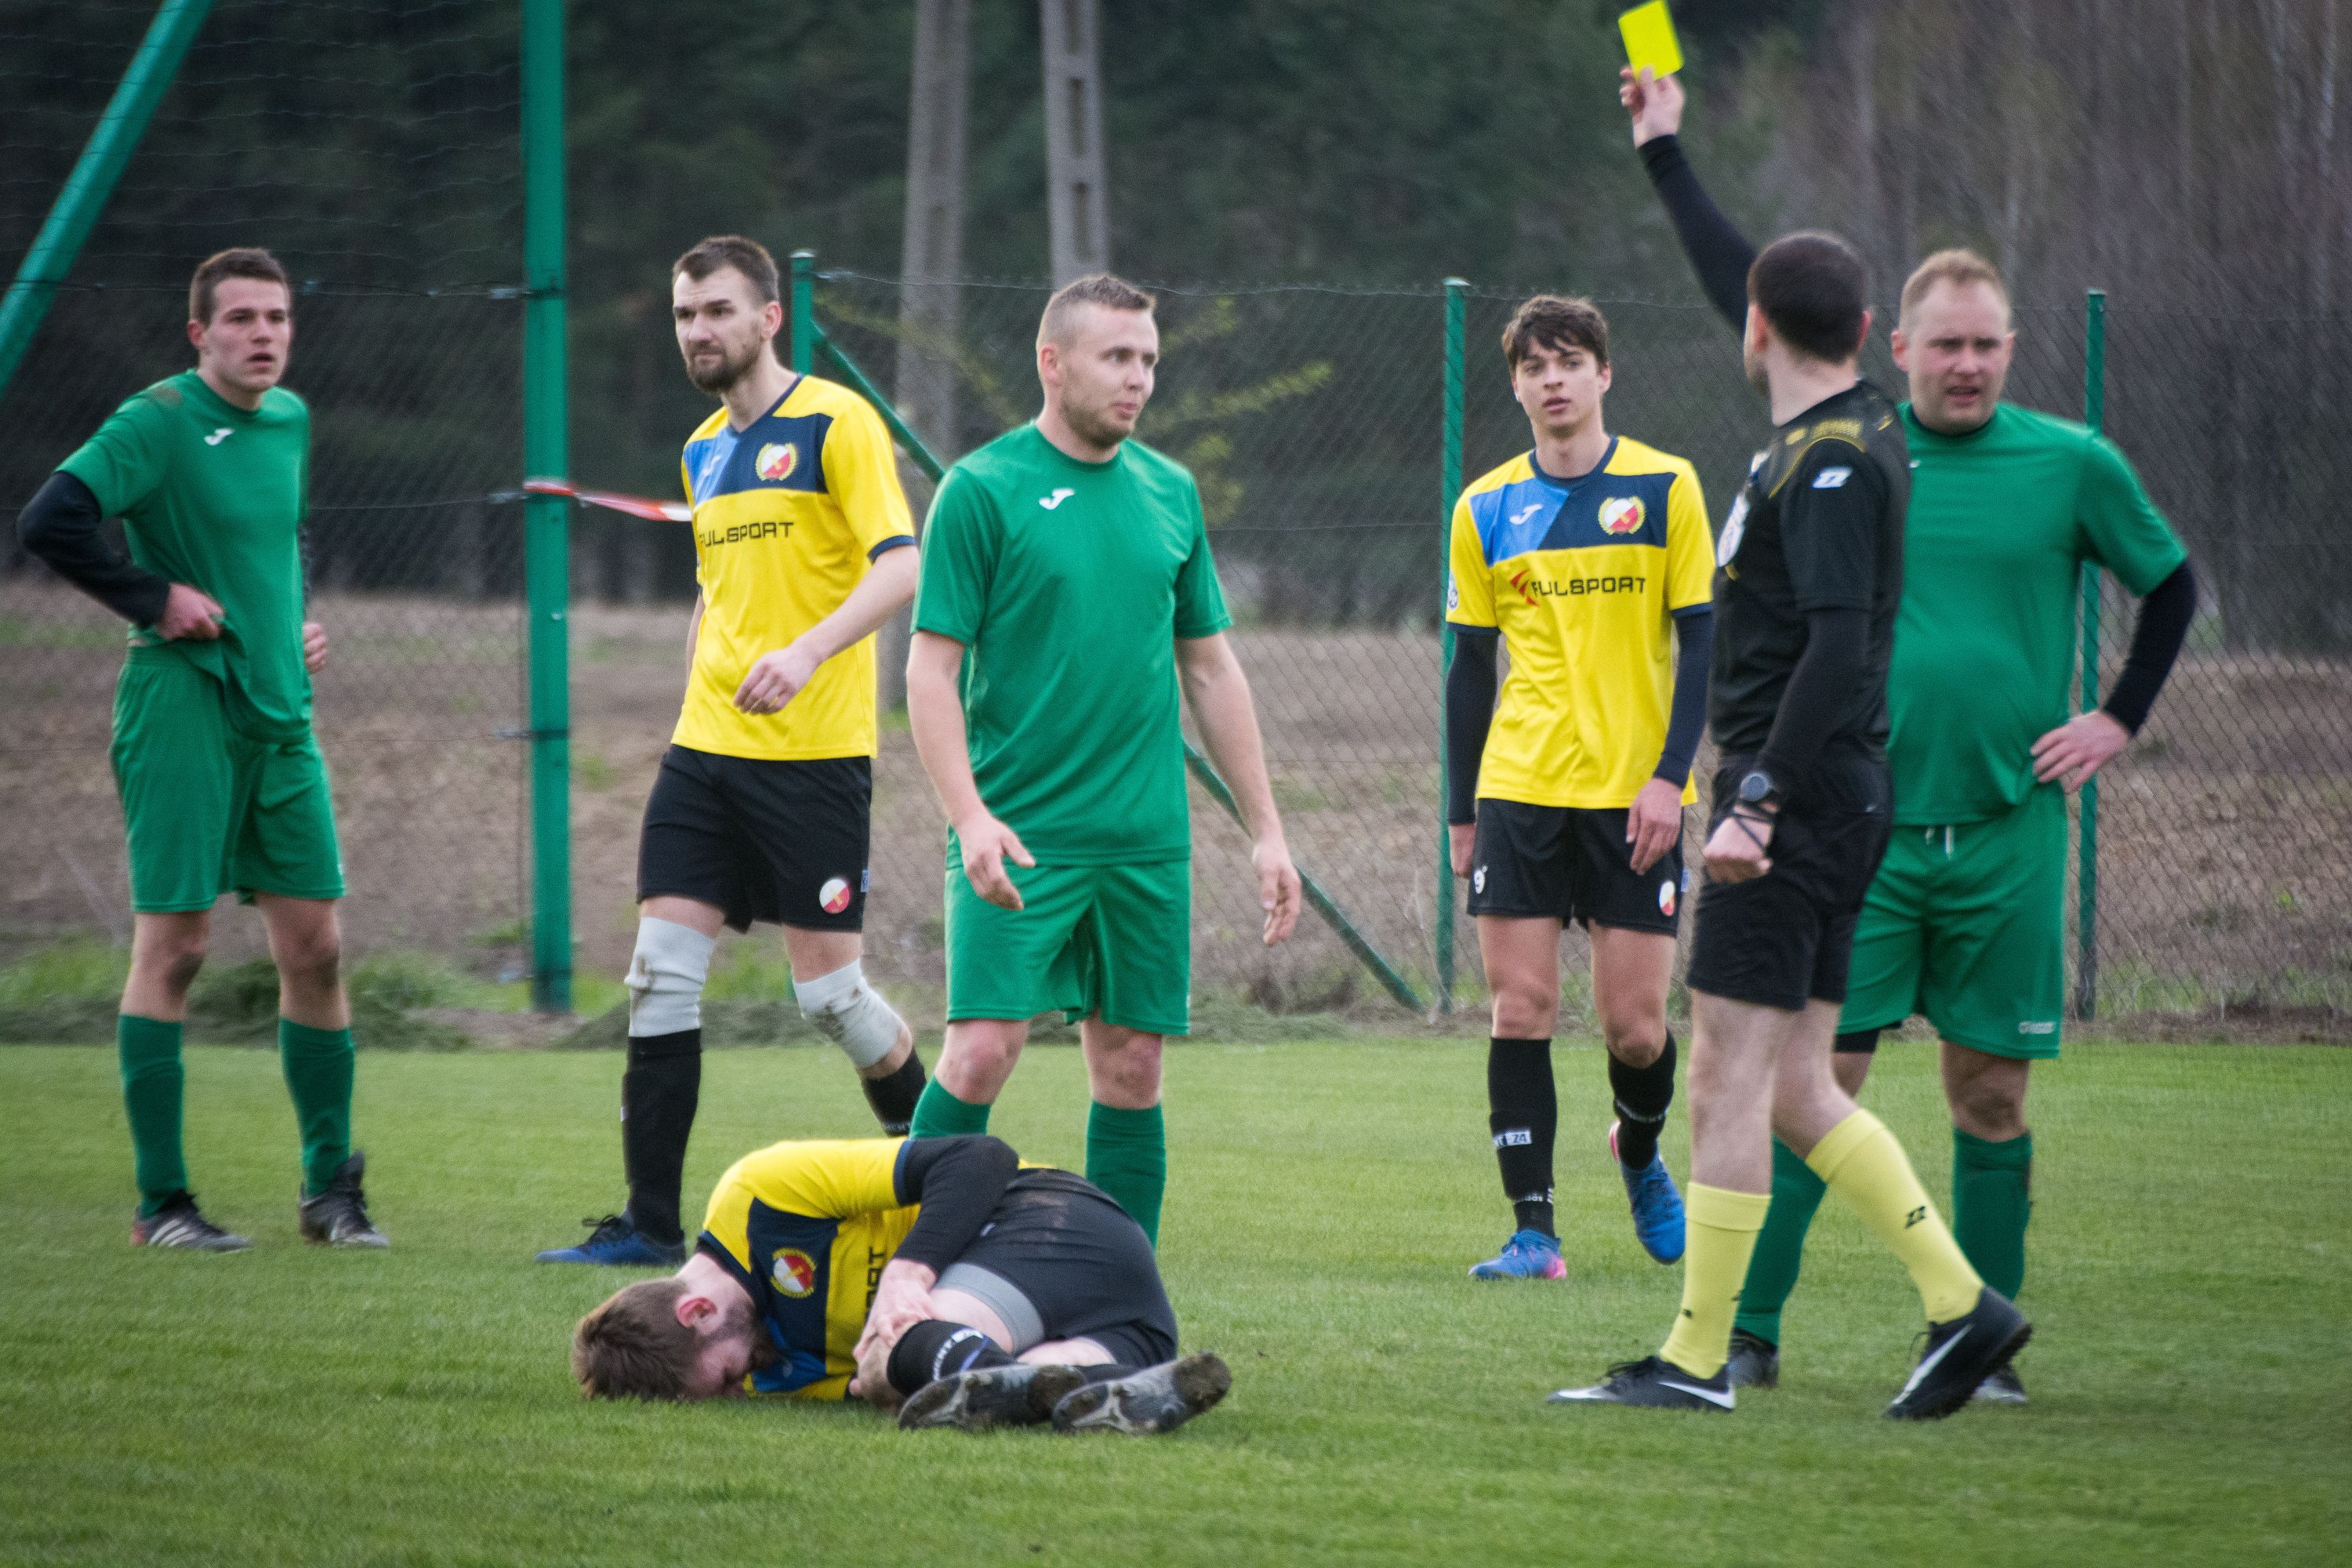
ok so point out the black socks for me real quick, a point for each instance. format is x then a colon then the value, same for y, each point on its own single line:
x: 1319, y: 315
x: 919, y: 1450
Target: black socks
x: 1523, y: 1113
x: 1643, y: 1095
x: 935, y: 1348
x: 659, y: 1090
x: 893, y: 1098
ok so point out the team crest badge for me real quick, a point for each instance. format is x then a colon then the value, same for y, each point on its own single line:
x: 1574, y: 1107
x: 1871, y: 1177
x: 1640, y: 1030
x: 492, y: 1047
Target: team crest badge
x: 777, y: 461
x: 834, y: 897
x: 1666, y: 898
x: 1623, y: 514
x: 793, y: 1273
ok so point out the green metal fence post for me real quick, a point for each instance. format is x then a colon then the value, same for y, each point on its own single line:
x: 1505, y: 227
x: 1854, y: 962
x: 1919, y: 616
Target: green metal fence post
x: 110, y: 147
x: 547, y: 565
x: 1450, y: 490
x: 802, y: 323
x: 2094, y: 414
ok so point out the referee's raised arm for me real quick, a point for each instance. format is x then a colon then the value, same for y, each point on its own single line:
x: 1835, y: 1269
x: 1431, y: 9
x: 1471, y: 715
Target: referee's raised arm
x: 1718, y: 252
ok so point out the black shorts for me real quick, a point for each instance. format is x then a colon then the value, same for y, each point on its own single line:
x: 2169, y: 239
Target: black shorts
x: 1570, y: 864
x: 1787, y: 937
x: 1083, y: 1265
x: 781, y: 841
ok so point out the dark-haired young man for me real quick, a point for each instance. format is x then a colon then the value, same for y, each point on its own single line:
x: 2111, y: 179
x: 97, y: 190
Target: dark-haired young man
x: 803, y: 545
x: 1809, y: 572
x: 1565, y: 797
x: 1069, y: 593
x: 1965, y: 922
x: 222, y: 784
x: 936, y: 1271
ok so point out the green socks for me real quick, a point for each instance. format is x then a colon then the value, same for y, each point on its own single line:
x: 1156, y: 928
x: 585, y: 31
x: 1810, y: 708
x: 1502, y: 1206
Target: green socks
x: 1992, y: 1199
x: 1780, y: 1250
x: 318, y: 1065
x: 938, y: 1114
x: 1126, y: 1157
x: 148, y: 1051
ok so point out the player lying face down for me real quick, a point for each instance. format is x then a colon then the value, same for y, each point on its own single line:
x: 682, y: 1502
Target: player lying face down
x: 935, y: 1275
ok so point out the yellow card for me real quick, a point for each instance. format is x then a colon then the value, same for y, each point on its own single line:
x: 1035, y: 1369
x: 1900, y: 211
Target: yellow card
x: 1649, y: 32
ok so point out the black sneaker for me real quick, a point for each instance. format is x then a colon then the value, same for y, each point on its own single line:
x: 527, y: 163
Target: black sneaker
x: 1652, y: 1383
x: 177, y: 1224
x: 1755, y: 1361
x: 1961, y: 1354
x: 2000, y: 1388
x: 338, y: 1216
x: 1157, y: 1399
x: 1017, y: 1395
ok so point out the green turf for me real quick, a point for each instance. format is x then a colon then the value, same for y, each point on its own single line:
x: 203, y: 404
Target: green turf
x: 289, y: 1405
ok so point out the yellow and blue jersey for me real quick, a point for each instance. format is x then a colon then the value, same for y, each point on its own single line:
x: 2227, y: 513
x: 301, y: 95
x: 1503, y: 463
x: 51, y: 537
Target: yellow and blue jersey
x: 789, y: 511
x: 1583, y: 579
x: 806, y: 1228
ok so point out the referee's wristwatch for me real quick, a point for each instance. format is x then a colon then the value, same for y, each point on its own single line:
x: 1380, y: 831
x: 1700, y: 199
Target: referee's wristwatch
x: 1758, y: 790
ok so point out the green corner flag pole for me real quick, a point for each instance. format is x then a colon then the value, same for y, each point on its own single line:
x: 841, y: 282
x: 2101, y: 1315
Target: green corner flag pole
x: 546, y: 452
x: 805, y: 331
x: 1450, y: 490
x: 144, y: 82
x: 2086, y: 936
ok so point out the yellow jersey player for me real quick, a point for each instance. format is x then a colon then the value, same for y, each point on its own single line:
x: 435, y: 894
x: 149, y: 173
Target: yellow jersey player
x: 940, y: 1272
x: 804, y: 546
x: 1589, y: 557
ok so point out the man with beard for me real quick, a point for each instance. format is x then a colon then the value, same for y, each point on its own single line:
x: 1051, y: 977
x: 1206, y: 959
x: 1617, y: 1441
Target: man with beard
x: 804, y: 545
x: 1068, y: 593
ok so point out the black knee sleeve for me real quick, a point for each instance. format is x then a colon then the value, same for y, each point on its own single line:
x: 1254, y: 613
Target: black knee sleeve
x: 935, y: 1348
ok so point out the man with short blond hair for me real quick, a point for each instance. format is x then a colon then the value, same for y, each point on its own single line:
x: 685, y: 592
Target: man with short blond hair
x: 223, y: 787
x: 1068, y: 593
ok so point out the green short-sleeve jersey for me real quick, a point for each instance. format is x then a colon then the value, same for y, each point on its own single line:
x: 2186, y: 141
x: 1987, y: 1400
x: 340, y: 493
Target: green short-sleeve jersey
x: 212, y: 495
x: 1068, y: 585
x: 2002, y: 522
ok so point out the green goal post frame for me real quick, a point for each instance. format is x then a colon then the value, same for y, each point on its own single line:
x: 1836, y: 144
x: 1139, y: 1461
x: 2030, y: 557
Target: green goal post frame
x: 810, y: 341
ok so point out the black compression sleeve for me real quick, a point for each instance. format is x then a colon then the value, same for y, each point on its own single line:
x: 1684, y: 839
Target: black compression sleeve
x: 2162, y: 627
x: 1687, y: 719
x: 60, y: 525
x: 958, y: 1182
x: 1837, y: 644
x: 1469, y: 714
x: 1718, y: 252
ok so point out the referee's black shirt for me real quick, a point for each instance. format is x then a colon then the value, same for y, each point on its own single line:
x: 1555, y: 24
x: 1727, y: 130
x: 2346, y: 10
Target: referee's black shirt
x: 1818, y: 526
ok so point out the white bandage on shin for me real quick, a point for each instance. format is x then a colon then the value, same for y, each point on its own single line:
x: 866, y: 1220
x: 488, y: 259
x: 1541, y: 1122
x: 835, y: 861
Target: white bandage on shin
x: 665, y: 976
x: 850, y: 1013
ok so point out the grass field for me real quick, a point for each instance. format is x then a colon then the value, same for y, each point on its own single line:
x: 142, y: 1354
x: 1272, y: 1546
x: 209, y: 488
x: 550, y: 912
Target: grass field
x: 2192, y: 1251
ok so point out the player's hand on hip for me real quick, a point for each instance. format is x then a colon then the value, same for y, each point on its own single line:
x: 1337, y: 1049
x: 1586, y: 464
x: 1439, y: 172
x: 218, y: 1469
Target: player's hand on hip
x: 987, y: 845
x: 775, y: 679
x: 2072, y: 752
x: 1654, y: 101
x: 314, y: 646
x: 189, y: 613
x: 1279, y: 889
x: 1460, y: 843
x: 1740, y: 848
x: 1653, y: 823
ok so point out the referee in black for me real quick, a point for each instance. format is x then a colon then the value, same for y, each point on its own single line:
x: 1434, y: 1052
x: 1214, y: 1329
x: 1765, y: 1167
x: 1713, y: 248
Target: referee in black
x: 1809, y: 569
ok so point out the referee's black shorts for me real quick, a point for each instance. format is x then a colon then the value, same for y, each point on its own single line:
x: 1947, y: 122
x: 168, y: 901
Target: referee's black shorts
x: 762, y: 839
x: 1787, y: 937
x: 1568, y: 863
x: 1087, y: 1268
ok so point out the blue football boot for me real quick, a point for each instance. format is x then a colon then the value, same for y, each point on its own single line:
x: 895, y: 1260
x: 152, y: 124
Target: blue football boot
x: 616, y: 1242
x: 1658, y: 1204
x: 1528, y: 1255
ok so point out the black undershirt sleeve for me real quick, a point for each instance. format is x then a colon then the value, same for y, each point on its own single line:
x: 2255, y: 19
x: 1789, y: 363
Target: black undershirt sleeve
x: 1718, y: 252
x: 1686, y: 719
x: 959, y: 1181
x: 2157, y: 636
x: 1837, y: 646
x: 60, y: 526
x: 1469, y: 714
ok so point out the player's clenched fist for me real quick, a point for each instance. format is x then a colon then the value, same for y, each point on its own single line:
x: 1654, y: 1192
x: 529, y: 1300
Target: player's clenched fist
x: 987, y: 845
x: 1740, y: 848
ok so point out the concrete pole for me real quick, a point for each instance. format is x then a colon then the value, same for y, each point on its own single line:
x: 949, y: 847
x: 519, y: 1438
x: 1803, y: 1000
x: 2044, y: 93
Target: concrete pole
x: 1078, y: 201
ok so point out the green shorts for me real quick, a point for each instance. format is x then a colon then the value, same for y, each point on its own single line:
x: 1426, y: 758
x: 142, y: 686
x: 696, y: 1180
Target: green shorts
x: 209, y: 810
x: 1967, y: 924
x: 1110, y: 939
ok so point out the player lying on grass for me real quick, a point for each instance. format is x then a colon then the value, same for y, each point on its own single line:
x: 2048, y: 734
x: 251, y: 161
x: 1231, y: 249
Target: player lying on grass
x: 936, y: 1272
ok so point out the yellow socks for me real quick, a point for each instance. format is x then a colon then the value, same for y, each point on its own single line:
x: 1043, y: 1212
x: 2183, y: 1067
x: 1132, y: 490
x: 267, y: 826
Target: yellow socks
x: 1860, y: 1163
x: 1719, y: 1229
